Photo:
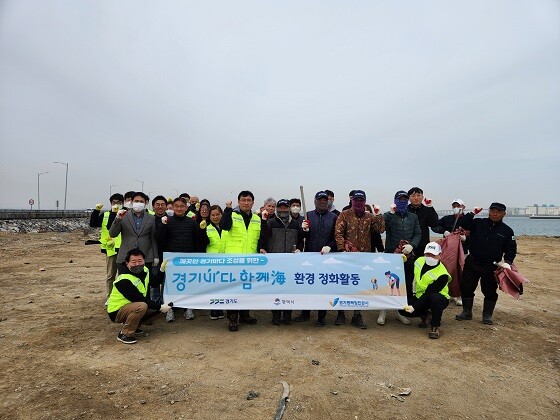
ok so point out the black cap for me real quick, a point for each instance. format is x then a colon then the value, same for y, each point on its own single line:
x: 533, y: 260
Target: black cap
x: 497, y: 206
x: 283, y: 202
x: 321, y: 194
x: 359, y: 194
x: 401, y: 193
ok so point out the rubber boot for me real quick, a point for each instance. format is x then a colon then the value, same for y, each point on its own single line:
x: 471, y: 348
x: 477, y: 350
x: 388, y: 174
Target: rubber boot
x: 487, y: 311
x: 467, y: 310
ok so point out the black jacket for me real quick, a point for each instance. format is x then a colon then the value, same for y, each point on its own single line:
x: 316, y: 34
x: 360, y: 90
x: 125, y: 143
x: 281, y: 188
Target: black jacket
x: 180, y: 234
x: 427, y: 217
x: 321, y: 231
x: 282, y: 238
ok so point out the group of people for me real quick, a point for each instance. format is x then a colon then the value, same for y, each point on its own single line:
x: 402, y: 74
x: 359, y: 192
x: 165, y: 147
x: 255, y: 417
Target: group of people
x: 134, y: 238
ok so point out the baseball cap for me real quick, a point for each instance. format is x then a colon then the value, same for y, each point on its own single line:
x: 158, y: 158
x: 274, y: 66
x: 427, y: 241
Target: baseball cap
x: 321, y: 194
x: 359, y: 194
x: 458, y: 201
x: 401, y: 193
x: 432, y: 248
x: 497, y: 206
x: 283, y: 202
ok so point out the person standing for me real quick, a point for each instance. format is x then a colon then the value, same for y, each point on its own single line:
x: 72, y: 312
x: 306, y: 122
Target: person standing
x: 353, y: 232
x: 295, y: 210
x: 491, y: 241
x: 157, y: 277
x: 109, y: 245
x: 427, y: 216
x: 330, y: 202
x: 244, y: 237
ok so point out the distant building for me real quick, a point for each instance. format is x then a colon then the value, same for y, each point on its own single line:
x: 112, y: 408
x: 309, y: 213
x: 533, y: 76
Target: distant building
x: 544, y: 210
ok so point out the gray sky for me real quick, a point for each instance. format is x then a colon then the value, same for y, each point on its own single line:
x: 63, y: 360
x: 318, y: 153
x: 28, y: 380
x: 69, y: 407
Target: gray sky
x: 210, y: 98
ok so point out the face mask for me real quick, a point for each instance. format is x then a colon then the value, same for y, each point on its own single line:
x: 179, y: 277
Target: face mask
x: 359, y: 206
x: 138, y: 207
x: 169, y: 212
x: 295, y: 210
x: 137, y: 269
x: 431, y: 261
x: 402, y: 206
x: 128, y: 204
x: 457, y: 210
x: 330, y: 202
x: 283, y: 215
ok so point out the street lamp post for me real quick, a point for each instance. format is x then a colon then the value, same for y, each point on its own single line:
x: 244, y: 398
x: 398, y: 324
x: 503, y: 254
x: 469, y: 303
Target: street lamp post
x: 66, y: 184
x: 111, y: 189
x: 141, y: 182
x: 39, y: 189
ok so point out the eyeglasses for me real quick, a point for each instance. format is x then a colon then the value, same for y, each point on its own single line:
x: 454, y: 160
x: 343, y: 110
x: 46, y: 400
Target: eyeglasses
x: 246, y: 200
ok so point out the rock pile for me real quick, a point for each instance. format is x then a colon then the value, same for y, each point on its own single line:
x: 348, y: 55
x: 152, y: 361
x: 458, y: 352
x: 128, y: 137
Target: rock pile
x: 45, y: 225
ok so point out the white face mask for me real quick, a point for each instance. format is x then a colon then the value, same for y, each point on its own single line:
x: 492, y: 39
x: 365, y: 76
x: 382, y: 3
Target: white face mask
x: 431, y: 261
x: 128, y: 204
x: 457, y: 210
x: 295, y: 209
x: 138, y: 207
x: 169, y: 212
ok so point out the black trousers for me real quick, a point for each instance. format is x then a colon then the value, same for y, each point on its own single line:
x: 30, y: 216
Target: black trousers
x: 435, y: 302
x: 472, y: 273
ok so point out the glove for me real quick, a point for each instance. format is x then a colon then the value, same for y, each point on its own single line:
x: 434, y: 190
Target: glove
x: 296, y: 251
x: 229, y: 204
x: 305, y: 225
x: 477, y: 210
x: 409, y: 309
x: 264, y: 215
x: 164, y: 220
x: 98, y: 206
x: 393, y: 208
x: 504, y: 265
x: 115, y: 208
x: 197, y: 206
x: 325, y: 250
x: 446, y: 234
x: 121, y: 213
x: 203, y: 224
x: 463, y: 238
x: 407, y: 249
x: 163, y: 265
x: 110, y: 243
x: 164, y: 308
x: 156, y: 262
x: 428, y: 202
x: 376, y: 209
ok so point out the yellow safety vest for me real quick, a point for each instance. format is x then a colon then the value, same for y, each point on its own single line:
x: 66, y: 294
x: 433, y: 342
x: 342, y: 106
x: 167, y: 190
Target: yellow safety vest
x: 242, y: 240
x: 217, y: 243
x: 105, y: 237
x: 421, y: 283
x: 117, y: 300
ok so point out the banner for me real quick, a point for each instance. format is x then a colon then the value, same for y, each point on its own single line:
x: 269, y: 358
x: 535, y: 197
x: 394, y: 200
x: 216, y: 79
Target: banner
x: 308, y: 280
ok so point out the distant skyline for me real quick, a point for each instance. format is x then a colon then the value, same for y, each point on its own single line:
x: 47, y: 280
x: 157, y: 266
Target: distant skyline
x: 211, y: 98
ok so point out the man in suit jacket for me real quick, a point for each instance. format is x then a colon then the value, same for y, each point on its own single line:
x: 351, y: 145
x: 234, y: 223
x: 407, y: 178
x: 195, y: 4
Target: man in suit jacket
x: 138, y: 230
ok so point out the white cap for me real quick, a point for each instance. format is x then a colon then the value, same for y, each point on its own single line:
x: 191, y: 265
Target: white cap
x: 458, y: 201
x: 432, y: 248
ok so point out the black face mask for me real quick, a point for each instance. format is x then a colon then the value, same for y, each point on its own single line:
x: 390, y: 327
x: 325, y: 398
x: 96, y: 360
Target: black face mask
x: 137, y: 269
x: 283, y: 215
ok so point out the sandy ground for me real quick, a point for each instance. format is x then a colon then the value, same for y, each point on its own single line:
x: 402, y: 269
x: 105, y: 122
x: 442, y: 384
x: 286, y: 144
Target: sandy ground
x: 61, y: 359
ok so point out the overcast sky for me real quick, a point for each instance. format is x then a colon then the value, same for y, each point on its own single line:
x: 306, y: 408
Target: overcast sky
x: 214, y: 97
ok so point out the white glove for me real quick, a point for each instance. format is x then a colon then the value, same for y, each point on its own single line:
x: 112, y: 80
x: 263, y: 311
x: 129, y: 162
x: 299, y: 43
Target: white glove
x: 296, y: 251
x: 504, y: 265
x: 409, y: 309
x: 110, y: 243
x: 163, y: 265
x: 264, y: 215
x: 164, y: 308
x: 376, y: 209
x: 305, y: 225
x: 164, y: 220
x: 428, y: 202
x: 121, y: 213
x: 156, y: 262
x: 407, y: 249
x: 325, y: 250
x: 98, y: 206
x: 393, y: 208
x: 229, y: 204
x: 463, y: 238
x: 477, y: 210
x: 446, y: 234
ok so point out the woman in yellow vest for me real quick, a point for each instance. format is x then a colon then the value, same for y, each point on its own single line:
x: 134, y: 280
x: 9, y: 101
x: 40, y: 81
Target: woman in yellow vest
x: 215, y: 239
x: 430, y: 289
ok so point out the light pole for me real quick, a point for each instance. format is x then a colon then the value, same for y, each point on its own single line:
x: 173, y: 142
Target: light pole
x: 141, y: 182
x: 39, y: 189
x: 66, y: 184
x: 111, y: 189
x: 177, y: 191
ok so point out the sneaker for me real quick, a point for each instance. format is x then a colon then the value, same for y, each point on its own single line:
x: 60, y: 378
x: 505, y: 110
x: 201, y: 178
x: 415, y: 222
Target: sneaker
x: 403, y: 319
x: 214, y: 315
x: 220, y: 314
x: 340, y: 319
x: 321, y: 322
x: 248, y: 320
x: 233, y: 326
x: 423, y: 322
x: 170, y: 316
x: 276, y: 320
x: 139, y: 331
x: 126, y: 339
x: 358, y: 322
x: 189, y: 314
x: 381, y: 317
x: 435, y: 332
x: 459, y: 301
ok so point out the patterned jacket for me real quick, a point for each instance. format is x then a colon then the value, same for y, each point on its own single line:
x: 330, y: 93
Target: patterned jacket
x: 357, y: 230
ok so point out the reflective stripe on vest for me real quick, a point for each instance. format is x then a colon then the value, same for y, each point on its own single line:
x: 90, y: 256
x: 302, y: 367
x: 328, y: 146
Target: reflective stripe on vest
x: 242, y: 240
x: 217, y: 243
x: 421, y: 283
x: 117, y: 300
